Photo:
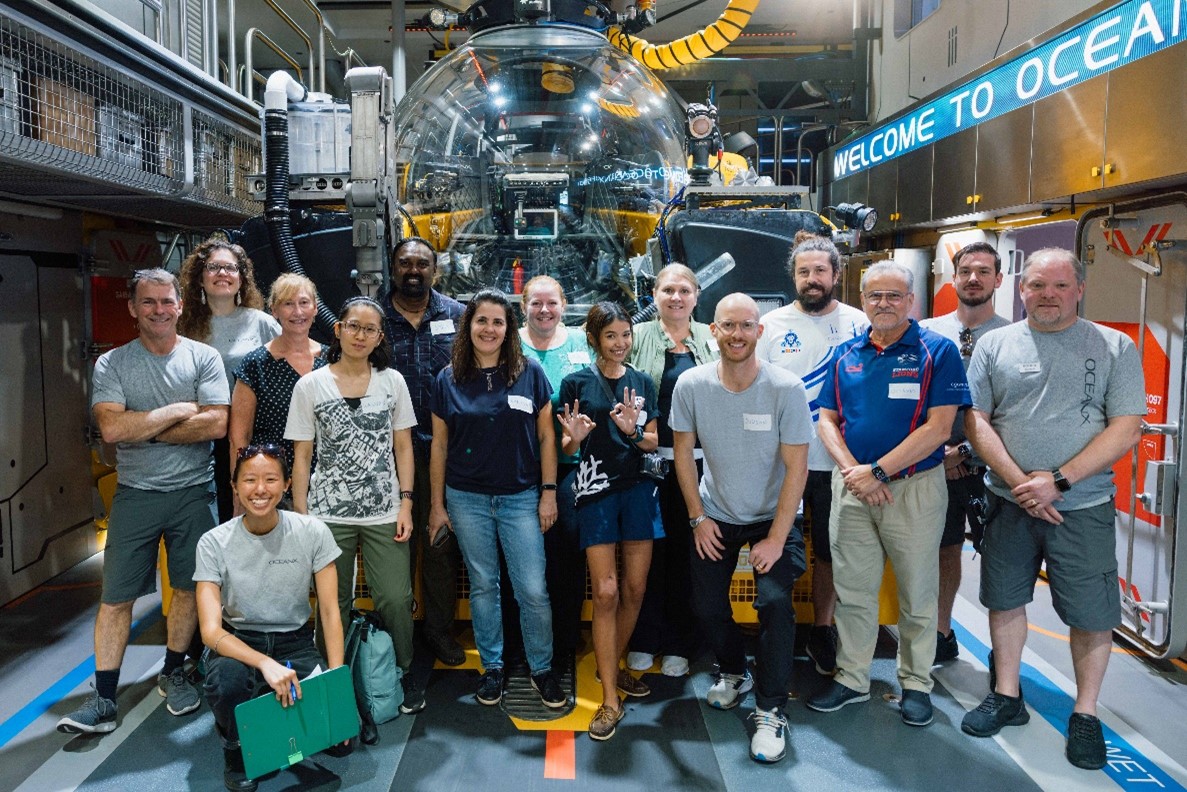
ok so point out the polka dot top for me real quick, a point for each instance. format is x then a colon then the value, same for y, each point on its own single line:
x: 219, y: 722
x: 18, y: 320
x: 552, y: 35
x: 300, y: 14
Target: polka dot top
x: 272, y: 380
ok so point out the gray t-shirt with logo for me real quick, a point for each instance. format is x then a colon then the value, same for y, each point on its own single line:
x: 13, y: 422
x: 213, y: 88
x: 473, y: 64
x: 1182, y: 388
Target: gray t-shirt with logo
x: 238, y: 333
x: 141, y: 381
x: 741, y: 434
x: 1049, y: 394
x: 950, y: 327
x: 265, y: 579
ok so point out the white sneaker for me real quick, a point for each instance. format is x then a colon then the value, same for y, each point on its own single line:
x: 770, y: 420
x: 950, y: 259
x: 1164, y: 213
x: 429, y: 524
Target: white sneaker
x: 639, y: 661
x: 728, y: 689
x: 675, y: 666
x: 768, y: 743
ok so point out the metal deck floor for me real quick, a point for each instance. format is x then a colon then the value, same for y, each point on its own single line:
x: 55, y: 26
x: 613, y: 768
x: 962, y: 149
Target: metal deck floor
x: 670, y: 740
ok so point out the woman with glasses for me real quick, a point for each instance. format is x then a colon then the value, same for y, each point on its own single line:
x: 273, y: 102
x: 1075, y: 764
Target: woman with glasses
x: 222, y: 308
x: 664, y: 349
x: 358, y: 412
x: 266, y: 377
x: 493, y: 478
x: 252, y: 575
x: 609, y: 415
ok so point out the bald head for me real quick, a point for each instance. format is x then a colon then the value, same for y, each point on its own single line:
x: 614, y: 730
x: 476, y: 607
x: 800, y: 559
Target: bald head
x: 735, y: 303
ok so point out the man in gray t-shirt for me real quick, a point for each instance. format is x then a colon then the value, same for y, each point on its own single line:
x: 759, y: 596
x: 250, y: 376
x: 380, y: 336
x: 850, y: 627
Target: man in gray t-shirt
x: 977, y: 272
x: 753, y: 423
x: 161, y: 399
x: 1056, y: 401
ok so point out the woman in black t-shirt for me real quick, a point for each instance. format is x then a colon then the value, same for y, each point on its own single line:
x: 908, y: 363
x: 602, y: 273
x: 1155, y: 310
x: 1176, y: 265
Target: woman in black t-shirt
x: 609, y: 414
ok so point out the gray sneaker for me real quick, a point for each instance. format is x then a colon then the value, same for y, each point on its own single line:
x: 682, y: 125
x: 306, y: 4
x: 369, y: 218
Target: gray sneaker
x: 180, y: 696
x: 96, y: 716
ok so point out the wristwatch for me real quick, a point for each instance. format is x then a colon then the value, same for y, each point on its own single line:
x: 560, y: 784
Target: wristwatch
x: 547, y: 487
x: 695, y: 521
x: 965, y: 449
x: 879, y: 473
x: 1061, y: 484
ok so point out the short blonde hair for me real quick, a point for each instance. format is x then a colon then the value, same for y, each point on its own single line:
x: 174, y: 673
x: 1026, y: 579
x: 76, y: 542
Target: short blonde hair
x: 545, y: 282
x: 678, y: 270
x: 288, y: 286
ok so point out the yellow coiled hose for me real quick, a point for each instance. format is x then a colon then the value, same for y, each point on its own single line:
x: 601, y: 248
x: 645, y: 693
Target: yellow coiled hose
x: 692, y: 47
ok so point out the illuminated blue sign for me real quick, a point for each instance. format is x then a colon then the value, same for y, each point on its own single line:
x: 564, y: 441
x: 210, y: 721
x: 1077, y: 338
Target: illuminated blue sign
x: 1112, y: 38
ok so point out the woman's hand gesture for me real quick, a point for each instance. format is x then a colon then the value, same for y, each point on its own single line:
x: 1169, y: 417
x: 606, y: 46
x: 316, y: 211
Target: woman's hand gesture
x: 575, y: 423
x: 625, y: 414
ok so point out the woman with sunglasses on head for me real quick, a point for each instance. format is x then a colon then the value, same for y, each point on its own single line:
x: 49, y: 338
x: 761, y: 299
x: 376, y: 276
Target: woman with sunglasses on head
x: 358, y: 412
x: 252, y: 575
x: 493, y: 481
x: 267, y: 375
x: 608, y: 414
x: 664, y: 349
x: 222, y: 308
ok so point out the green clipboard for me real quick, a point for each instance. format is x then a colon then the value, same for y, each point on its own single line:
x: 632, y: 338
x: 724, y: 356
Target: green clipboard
x: 273, y: 737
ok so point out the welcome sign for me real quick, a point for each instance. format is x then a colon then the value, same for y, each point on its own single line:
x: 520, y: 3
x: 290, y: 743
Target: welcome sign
x: 1113, y: 38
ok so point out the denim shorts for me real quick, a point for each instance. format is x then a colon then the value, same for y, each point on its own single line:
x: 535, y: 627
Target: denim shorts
x: 628, y: 515
x: 1081, y: 563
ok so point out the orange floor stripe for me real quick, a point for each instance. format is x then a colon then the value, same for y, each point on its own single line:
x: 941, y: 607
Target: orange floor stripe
x: 560, y: 755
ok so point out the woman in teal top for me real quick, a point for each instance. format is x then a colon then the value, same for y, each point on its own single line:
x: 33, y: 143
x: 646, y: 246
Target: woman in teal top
x: 665, y: 348
x: 560, y: 351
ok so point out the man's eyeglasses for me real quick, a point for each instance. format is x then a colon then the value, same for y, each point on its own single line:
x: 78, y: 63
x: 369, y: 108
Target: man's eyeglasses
x: 727, y: 326
x: 214, y: 268
x: 966, y: 342
x: 889, y: 297
x: 366, y: 331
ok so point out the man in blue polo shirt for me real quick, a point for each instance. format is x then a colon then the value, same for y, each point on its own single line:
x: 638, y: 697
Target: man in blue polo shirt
x: 886, y: 408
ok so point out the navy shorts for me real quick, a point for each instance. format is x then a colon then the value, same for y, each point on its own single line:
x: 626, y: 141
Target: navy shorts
x: 628, y: 515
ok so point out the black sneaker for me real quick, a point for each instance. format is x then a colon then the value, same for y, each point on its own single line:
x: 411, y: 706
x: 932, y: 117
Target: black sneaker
x: 835, y: 696
x: 95, y: 716
x: 822, y: 648
x: 915, y: 708
x: 490, y: 688
x: 445, y: 648
x: 1085, y: 742
x: 551, y: 695
x: 414, y: 697
x: 947, y: 649
x: 234, y: 777
x: 994, y: 713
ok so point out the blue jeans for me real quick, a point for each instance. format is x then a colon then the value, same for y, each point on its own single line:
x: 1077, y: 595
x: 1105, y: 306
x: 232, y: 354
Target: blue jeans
x: 483, y: 523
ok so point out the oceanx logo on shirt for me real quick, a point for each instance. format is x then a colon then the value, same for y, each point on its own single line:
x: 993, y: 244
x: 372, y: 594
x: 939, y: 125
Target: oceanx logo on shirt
x: 282, y: 561
x: 1089, y: 389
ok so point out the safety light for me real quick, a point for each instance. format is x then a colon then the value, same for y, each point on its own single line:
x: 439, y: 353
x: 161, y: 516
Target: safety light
x: 857, y: 215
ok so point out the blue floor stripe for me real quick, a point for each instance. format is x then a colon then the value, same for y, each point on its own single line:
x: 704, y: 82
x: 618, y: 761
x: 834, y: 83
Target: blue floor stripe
x: 1127, y: 766
x: 21, y: 719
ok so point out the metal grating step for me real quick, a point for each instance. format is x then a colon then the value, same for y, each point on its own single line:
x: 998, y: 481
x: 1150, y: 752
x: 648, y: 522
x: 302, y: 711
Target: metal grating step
x: 521, y: 701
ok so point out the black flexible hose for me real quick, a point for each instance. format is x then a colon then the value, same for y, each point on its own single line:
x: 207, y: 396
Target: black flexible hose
x: 276, y: 206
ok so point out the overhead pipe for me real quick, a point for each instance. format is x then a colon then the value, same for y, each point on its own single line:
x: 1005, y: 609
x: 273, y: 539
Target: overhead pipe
x: 279, y: 92
x: 697, y: 46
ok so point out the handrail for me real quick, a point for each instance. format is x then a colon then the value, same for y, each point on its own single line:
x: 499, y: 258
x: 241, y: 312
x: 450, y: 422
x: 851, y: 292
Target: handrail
x: 256, y: 33
x: 280, y: 12
x: 321, y: 45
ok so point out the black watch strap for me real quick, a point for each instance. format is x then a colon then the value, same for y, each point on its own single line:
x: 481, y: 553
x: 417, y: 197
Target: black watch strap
x: 1061, y: 484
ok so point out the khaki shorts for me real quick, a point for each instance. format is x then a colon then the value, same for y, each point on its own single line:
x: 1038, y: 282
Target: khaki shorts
x: 139, y: 519
x: 1081, y: 562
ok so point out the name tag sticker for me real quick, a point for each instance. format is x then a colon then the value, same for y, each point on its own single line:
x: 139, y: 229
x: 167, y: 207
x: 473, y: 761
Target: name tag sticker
x: 903, y: 390
x: 756, y: 423
x: 521, y: 403
x: 441, y: 326
x: 1029, y: 368
x: 579, y: 357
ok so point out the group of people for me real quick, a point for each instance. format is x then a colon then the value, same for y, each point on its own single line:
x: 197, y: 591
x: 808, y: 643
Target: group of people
x: 650, y: 454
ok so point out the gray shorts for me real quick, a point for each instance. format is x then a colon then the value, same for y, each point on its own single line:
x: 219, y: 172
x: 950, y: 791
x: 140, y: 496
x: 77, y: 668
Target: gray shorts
x: 139, y: 519
x: 1081, y: 562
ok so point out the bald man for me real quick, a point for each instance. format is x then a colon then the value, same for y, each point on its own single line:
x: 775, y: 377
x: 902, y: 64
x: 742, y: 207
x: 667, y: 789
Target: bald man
x: 754, y: 425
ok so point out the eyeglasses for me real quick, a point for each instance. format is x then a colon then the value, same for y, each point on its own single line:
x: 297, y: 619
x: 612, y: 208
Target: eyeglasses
x: 966, y: 342
x: 356, y: 329
x: 889, y: 297
x: 215, y: 268
x: 255, y: 449
x: 749, y: 326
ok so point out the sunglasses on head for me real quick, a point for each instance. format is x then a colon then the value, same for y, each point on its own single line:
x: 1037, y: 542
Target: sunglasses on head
x: 966, y: 342
x: 255, y: 449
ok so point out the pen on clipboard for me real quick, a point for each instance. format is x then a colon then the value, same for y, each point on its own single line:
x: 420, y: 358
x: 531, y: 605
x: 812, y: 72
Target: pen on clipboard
x: 292, y: 686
